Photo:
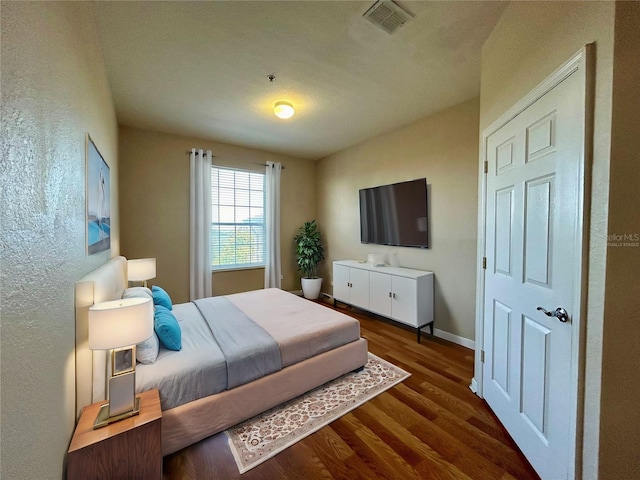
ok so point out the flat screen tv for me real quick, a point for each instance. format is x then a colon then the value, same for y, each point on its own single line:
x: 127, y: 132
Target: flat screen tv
x: 395, y: 214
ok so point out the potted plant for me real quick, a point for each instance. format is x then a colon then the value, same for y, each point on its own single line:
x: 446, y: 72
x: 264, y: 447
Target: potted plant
x: 310, y: 253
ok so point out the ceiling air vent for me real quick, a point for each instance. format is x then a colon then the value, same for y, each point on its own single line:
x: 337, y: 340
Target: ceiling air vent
x: 387, y: 15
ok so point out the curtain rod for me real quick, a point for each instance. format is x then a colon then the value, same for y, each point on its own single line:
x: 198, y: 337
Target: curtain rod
x: 188, y: 152
x: 265, y: 165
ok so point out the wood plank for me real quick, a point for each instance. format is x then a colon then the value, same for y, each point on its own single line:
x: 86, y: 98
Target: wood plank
x: 340, y: 459
x: 430, y: 426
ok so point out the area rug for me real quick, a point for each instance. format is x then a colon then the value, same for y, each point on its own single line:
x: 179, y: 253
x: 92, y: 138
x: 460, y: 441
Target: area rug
x: 264, y: 436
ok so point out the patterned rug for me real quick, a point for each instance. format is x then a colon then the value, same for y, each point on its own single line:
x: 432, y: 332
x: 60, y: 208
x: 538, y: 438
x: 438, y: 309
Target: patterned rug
x: 264, y: 436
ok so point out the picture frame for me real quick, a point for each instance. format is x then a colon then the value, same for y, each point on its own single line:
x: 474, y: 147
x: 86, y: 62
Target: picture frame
x: 123, y: 360
x: 98, y: 199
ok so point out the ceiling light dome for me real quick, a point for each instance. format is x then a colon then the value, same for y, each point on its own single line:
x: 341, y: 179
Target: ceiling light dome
x: 283, y: 110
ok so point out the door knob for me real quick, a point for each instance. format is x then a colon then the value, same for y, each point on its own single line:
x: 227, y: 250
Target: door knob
x: 560, y: 313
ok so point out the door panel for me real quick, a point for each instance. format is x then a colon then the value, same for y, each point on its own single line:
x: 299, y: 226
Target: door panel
x: 504, y: 156
x: 541, y: 137
x: 538, y: 211
x: 501, y: 334
x: 535, y: 375
x: 504, y: 222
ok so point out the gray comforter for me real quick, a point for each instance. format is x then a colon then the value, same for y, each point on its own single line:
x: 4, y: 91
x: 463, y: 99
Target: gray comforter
x: 250, y: 352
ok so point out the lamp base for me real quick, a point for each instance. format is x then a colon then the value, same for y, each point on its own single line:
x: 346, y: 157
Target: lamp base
x: 103, y: 419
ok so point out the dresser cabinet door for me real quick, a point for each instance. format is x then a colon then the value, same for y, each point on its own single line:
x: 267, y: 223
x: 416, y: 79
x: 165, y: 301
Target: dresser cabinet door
x: 341, y: 288
x: 380, y: 293
x: 404, y: 302
x: 359, y: 280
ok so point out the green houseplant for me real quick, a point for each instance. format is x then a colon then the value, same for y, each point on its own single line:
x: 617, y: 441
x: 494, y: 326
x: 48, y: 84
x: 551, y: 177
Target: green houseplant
x: 310, y: 253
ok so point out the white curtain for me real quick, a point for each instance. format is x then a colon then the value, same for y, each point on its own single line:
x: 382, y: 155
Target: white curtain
x: 200, y: 224
x: 272, y: 271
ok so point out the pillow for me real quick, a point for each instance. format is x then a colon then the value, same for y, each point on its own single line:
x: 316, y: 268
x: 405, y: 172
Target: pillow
x: 167, y: 328
x: 161, y: 297
x: 147, y: 351
x: 137, y: 292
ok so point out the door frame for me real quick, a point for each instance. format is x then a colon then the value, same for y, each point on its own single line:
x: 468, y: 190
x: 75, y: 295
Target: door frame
x: 581, y: 64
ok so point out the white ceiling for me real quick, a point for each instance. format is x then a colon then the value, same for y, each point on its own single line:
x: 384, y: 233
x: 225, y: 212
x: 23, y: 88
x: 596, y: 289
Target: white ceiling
x: 200, y: 68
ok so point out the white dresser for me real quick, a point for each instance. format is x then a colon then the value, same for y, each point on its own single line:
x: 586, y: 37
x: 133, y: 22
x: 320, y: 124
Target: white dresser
x: 401, y: 294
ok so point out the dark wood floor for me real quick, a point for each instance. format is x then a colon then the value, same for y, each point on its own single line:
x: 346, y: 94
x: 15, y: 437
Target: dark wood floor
x: 431, y: 426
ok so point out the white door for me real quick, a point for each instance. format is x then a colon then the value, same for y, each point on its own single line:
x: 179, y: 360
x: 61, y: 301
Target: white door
x: 533, y: 244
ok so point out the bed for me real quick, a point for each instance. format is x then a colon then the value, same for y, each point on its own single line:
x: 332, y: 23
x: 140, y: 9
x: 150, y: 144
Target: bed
x: 316, y: 345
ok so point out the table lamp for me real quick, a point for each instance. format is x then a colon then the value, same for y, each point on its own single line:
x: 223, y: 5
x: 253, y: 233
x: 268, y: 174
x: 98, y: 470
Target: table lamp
x: 118, y: 325
x: 141, y: 270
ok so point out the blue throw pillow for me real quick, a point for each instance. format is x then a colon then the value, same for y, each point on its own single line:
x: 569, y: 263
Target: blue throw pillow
x: 161, y: 297
x: 167, y: 328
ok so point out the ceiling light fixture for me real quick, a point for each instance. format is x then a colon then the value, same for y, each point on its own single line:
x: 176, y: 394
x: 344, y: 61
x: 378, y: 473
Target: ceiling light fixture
x: 283, y: 109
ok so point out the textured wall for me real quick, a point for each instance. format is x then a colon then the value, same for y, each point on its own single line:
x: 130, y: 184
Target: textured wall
x: 529, y: 42
x: 154, y: 186
x: 54, y: 90
x: 619, y: 427
x: 444, y: 149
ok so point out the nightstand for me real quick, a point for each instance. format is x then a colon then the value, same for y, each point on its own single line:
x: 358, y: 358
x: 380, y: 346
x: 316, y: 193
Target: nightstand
x: 128, y: 449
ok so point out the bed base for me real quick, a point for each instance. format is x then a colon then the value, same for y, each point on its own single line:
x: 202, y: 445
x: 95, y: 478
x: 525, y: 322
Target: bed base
x: 187, y: 424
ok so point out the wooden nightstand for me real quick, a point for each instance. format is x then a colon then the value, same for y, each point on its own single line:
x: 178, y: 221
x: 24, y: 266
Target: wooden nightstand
x: 128, y: 449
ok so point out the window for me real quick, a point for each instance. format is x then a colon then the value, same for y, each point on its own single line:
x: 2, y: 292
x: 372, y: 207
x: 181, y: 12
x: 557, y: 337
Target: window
x: 237, y: 219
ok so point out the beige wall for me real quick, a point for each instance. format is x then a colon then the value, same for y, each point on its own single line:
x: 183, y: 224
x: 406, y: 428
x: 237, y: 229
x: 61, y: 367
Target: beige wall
x: 620, y: 416
x: 154, y: 184
x: 54, y: 91
x: 444, y: 149
x: 530, y: 41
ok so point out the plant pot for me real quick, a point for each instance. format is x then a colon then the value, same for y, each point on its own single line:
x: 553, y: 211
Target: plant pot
x: 311, y: 287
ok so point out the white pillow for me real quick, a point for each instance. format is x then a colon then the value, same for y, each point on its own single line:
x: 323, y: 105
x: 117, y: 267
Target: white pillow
x: 147, y: 351
x: 137, y: 292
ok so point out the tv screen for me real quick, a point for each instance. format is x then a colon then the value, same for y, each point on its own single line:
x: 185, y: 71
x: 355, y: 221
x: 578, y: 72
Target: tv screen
x: 395, y: 214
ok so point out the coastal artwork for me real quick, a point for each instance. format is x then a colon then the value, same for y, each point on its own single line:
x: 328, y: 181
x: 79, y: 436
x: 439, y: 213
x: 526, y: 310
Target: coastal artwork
x: 98, y: 201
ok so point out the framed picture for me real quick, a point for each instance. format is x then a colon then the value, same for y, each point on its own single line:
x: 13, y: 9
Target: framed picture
x: 124, y: 360
x: 98, y: 193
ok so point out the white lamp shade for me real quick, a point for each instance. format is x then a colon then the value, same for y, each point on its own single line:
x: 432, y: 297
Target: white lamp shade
x: 120, y: 323
x: 283, y: 110
x: 141, y: 269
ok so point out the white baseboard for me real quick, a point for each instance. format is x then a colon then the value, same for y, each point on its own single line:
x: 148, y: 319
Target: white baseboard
x: 474, y: 386
x: 465, y: 342
x: 299, y: 293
